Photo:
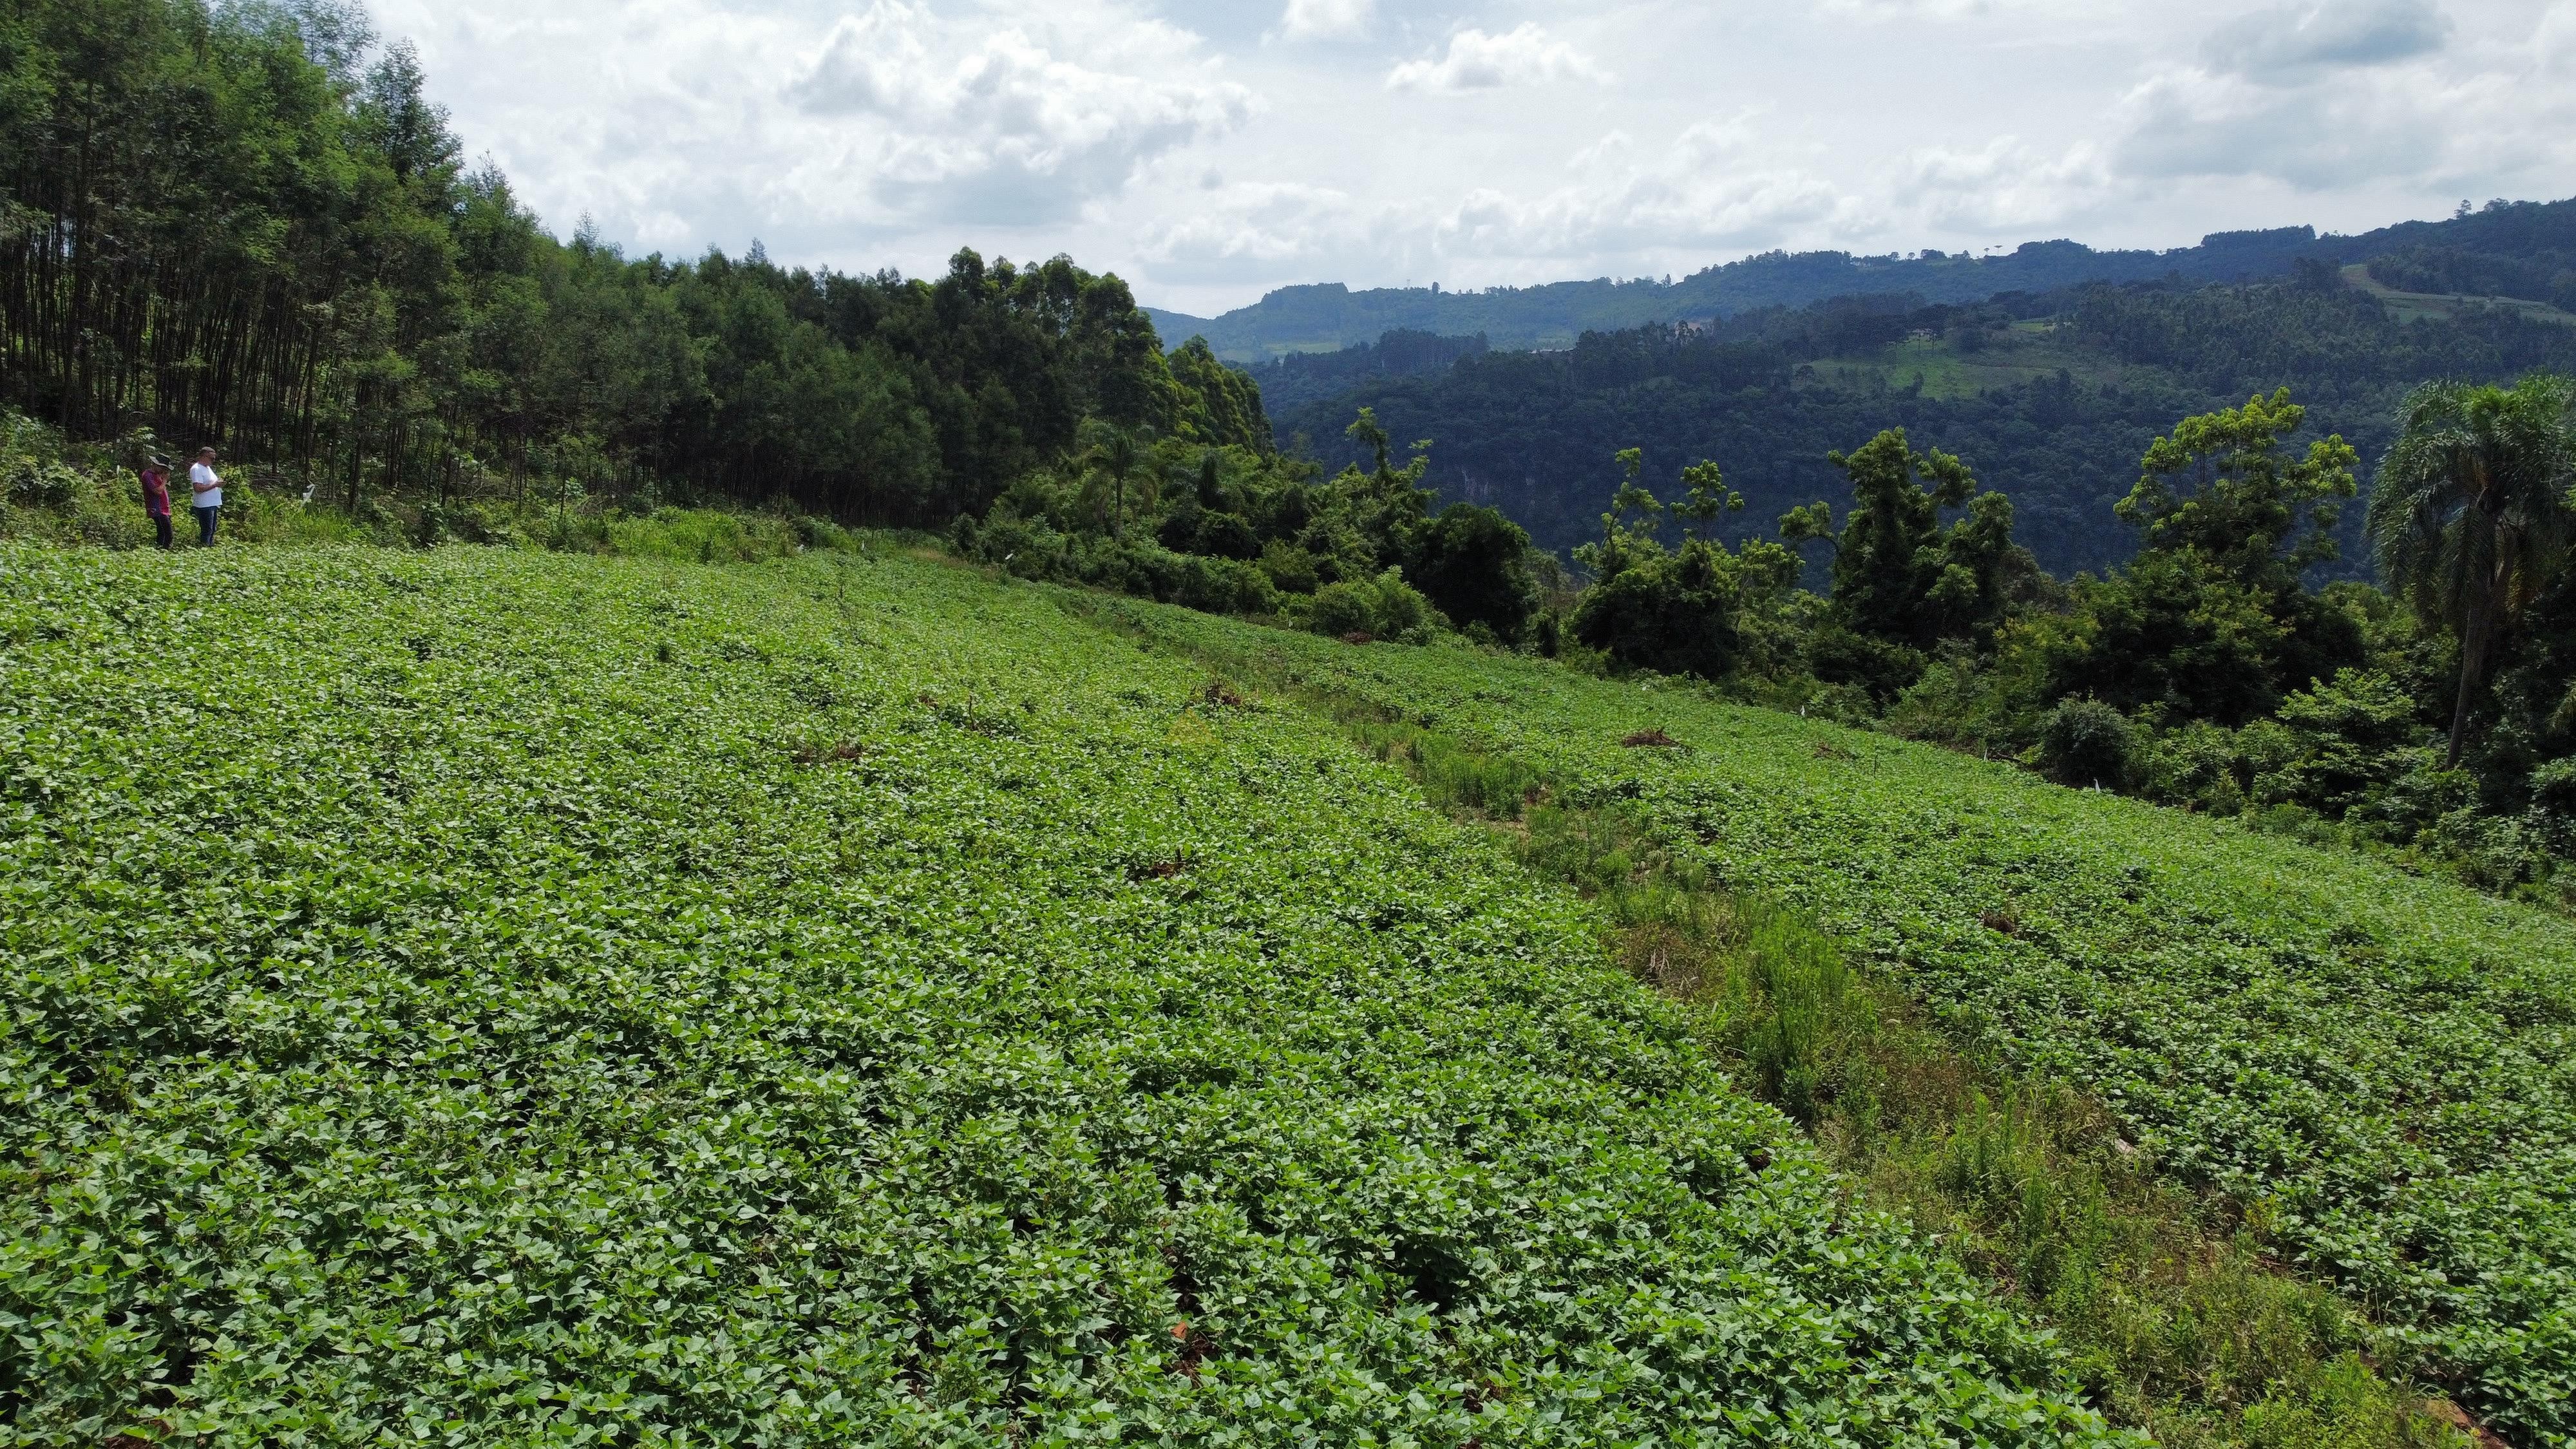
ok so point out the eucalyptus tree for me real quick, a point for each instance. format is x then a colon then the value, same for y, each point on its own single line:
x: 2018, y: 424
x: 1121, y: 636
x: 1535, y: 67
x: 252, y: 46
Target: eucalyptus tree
x: 2469, y: 521
x: 245, y: 222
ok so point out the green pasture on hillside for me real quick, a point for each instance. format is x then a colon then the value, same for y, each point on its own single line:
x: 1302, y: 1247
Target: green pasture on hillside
x: 1941, y: 369
x: 483, y: 997
x: 2381, y: 1069
x: 2414, y: 306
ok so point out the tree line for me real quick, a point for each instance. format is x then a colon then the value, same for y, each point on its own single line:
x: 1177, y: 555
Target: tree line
x: 2231, y: 666
x: 246, y: 225
x: 2434, y: 716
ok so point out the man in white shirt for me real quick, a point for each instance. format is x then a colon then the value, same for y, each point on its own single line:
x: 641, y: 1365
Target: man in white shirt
x: 209, y: 491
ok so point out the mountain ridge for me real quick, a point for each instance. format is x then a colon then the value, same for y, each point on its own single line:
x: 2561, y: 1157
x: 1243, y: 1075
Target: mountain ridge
x: 1328, y: 316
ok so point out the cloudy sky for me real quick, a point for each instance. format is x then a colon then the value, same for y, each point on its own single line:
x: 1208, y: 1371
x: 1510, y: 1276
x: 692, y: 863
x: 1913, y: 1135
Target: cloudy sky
x: 1210, y: 151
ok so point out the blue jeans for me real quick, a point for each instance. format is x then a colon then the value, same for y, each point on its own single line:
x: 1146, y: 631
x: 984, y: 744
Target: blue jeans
x: 206, y: 526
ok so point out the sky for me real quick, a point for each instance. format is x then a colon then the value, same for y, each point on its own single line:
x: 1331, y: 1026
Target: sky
x: 1211, y: 151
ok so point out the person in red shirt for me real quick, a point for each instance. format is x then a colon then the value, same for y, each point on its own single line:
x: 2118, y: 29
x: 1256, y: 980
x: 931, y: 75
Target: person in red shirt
x: 156, y: 496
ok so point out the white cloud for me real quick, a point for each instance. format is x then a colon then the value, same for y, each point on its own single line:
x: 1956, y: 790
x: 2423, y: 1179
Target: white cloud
x: 2002, y: 186
x: 1326, y: 19
x: 2193, y: 123
x: 2553, y: 43
x: 2291, y: 43
x: 1611, y: 148
x: 1478, y: 61
x: 1209, y: 151
x: 1000, y: 127
x: 1716, y: 185
x: 2350, y: 93
x: 1713, y: 186
x: 1885, y: 9
x: 1259, y: 230
x: 681, y: 124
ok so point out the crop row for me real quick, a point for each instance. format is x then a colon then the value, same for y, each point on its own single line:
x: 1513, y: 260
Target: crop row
x: 473, y: 996
x: 2379, y: 1068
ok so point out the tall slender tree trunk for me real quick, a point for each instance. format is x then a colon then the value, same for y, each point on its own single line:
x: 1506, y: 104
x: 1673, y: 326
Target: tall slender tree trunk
x: 2473, y: 659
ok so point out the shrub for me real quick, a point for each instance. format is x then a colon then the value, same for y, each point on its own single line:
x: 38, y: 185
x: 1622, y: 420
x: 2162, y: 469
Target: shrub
x: 1023, y: 547
x: 1226, y: 536
x: 696, y: 535
x: 1880, y: 668
x: 1340, y: 610
x: 1291, y: 569
x: 2553, y: 789
x: 1670, y: 612
x: 1223, y: 586
x: 1402, y: 612
x: 52, y: 490
x: 2087, y: 742
x: 34, y: 484
x: 2346, y: 740
x: 2195, y: 766
x: 1473, y: 564
x: 823, y: 533
x: 1385, y: 607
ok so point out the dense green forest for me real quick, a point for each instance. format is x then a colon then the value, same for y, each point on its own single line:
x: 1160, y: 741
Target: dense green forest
x: 2051, y: 397
x: 1291, y: 383
x: 230, y: 227
x: 2435, y: 720
x: 227, y: 225
x: 2517, y: 249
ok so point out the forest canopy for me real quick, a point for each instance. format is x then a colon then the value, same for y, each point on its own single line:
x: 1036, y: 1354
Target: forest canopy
x: 229, y: 225
x: 2052, y: 396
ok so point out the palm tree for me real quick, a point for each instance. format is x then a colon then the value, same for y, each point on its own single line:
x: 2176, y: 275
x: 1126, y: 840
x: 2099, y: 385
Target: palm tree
x: 1114, y: 451
x: 2467, y: 520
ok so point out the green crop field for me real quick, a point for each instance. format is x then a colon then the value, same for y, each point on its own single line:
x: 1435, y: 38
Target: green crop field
x: 2379, y: 1068
x: 481, y: 997
x: 2413, y: 306
x: 1940, y: 369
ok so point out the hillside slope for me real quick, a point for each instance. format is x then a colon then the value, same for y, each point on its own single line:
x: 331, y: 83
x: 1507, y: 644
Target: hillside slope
x: 483, y: 997
x: 2380, y: 1069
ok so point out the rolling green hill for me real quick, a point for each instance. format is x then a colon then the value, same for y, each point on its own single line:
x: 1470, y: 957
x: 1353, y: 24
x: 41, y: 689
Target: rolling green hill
x: 482, y: 997
x: 2523, y: 249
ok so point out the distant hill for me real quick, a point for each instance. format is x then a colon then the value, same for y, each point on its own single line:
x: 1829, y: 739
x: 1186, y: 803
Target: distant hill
x: 2050, y: 397
x: 2524, y: 249
x: 1290, y: 383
